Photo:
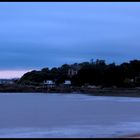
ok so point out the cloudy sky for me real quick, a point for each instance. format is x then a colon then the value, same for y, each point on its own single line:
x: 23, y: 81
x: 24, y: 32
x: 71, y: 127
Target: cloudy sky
x: 34, y: 35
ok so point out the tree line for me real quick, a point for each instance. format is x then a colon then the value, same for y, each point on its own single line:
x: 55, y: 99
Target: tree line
x: 96, y: 73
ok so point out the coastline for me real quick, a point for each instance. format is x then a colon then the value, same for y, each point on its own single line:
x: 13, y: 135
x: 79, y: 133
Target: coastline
x: 121, y: 92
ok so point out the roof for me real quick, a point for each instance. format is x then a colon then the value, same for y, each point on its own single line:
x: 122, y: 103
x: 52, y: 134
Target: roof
x: 67, y: 82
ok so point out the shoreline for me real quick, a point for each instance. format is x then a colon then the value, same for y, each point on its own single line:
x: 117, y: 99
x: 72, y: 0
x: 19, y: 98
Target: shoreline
x: 118, y: 92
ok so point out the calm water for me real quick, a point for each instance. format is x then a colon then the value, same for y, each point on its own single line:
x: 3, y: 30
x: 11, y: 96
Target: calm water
x: 67, y: 115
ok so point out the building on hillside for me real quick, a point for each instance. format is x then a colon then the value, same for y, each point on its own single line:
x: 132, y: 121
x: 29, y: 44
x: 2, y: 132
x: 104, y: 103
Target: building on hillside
x: 49, y: 83
x: 73, y: 70
x: 67, y: 83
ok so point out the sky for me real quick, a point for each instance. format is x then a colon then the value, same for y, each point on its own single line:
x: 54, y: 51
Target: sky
x: 34, y: 35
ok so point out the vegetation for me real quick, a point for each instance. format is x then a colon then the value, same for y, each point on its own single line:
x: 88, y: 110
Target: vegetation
x: 88, y: 73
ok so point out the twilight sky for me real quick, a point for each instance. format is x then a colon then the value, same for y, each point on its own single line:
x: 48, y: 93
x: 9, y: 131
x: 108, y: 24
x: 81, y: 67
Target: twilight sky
x: 34, y: 35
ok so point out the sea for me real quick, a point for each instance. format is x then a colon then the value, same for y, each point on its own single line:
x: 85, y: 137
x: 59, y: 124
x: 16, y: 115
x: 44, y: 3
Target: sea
x: 67, y: 115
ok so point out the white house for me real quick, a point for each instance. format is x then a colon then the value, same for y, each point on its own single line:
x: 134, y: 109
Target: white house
x: 49, y: 83
x: 67, y: 82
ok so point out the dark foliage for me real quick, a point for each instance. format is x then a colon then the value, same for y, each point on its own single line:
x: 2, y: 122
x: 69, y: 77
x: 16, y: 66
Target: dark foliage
x: 89, y: 73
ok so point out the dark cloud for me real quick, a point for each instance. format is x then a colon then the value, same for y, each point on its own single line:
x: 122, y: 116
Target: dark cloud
x: 36, y: 35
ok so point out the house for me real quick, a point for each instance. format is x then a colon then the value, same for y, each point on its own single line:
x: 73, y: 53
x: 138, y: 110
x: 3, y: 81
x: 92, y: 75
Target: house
x: 73, y: 70
x: 49, y: 83
x: 67, y: 83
